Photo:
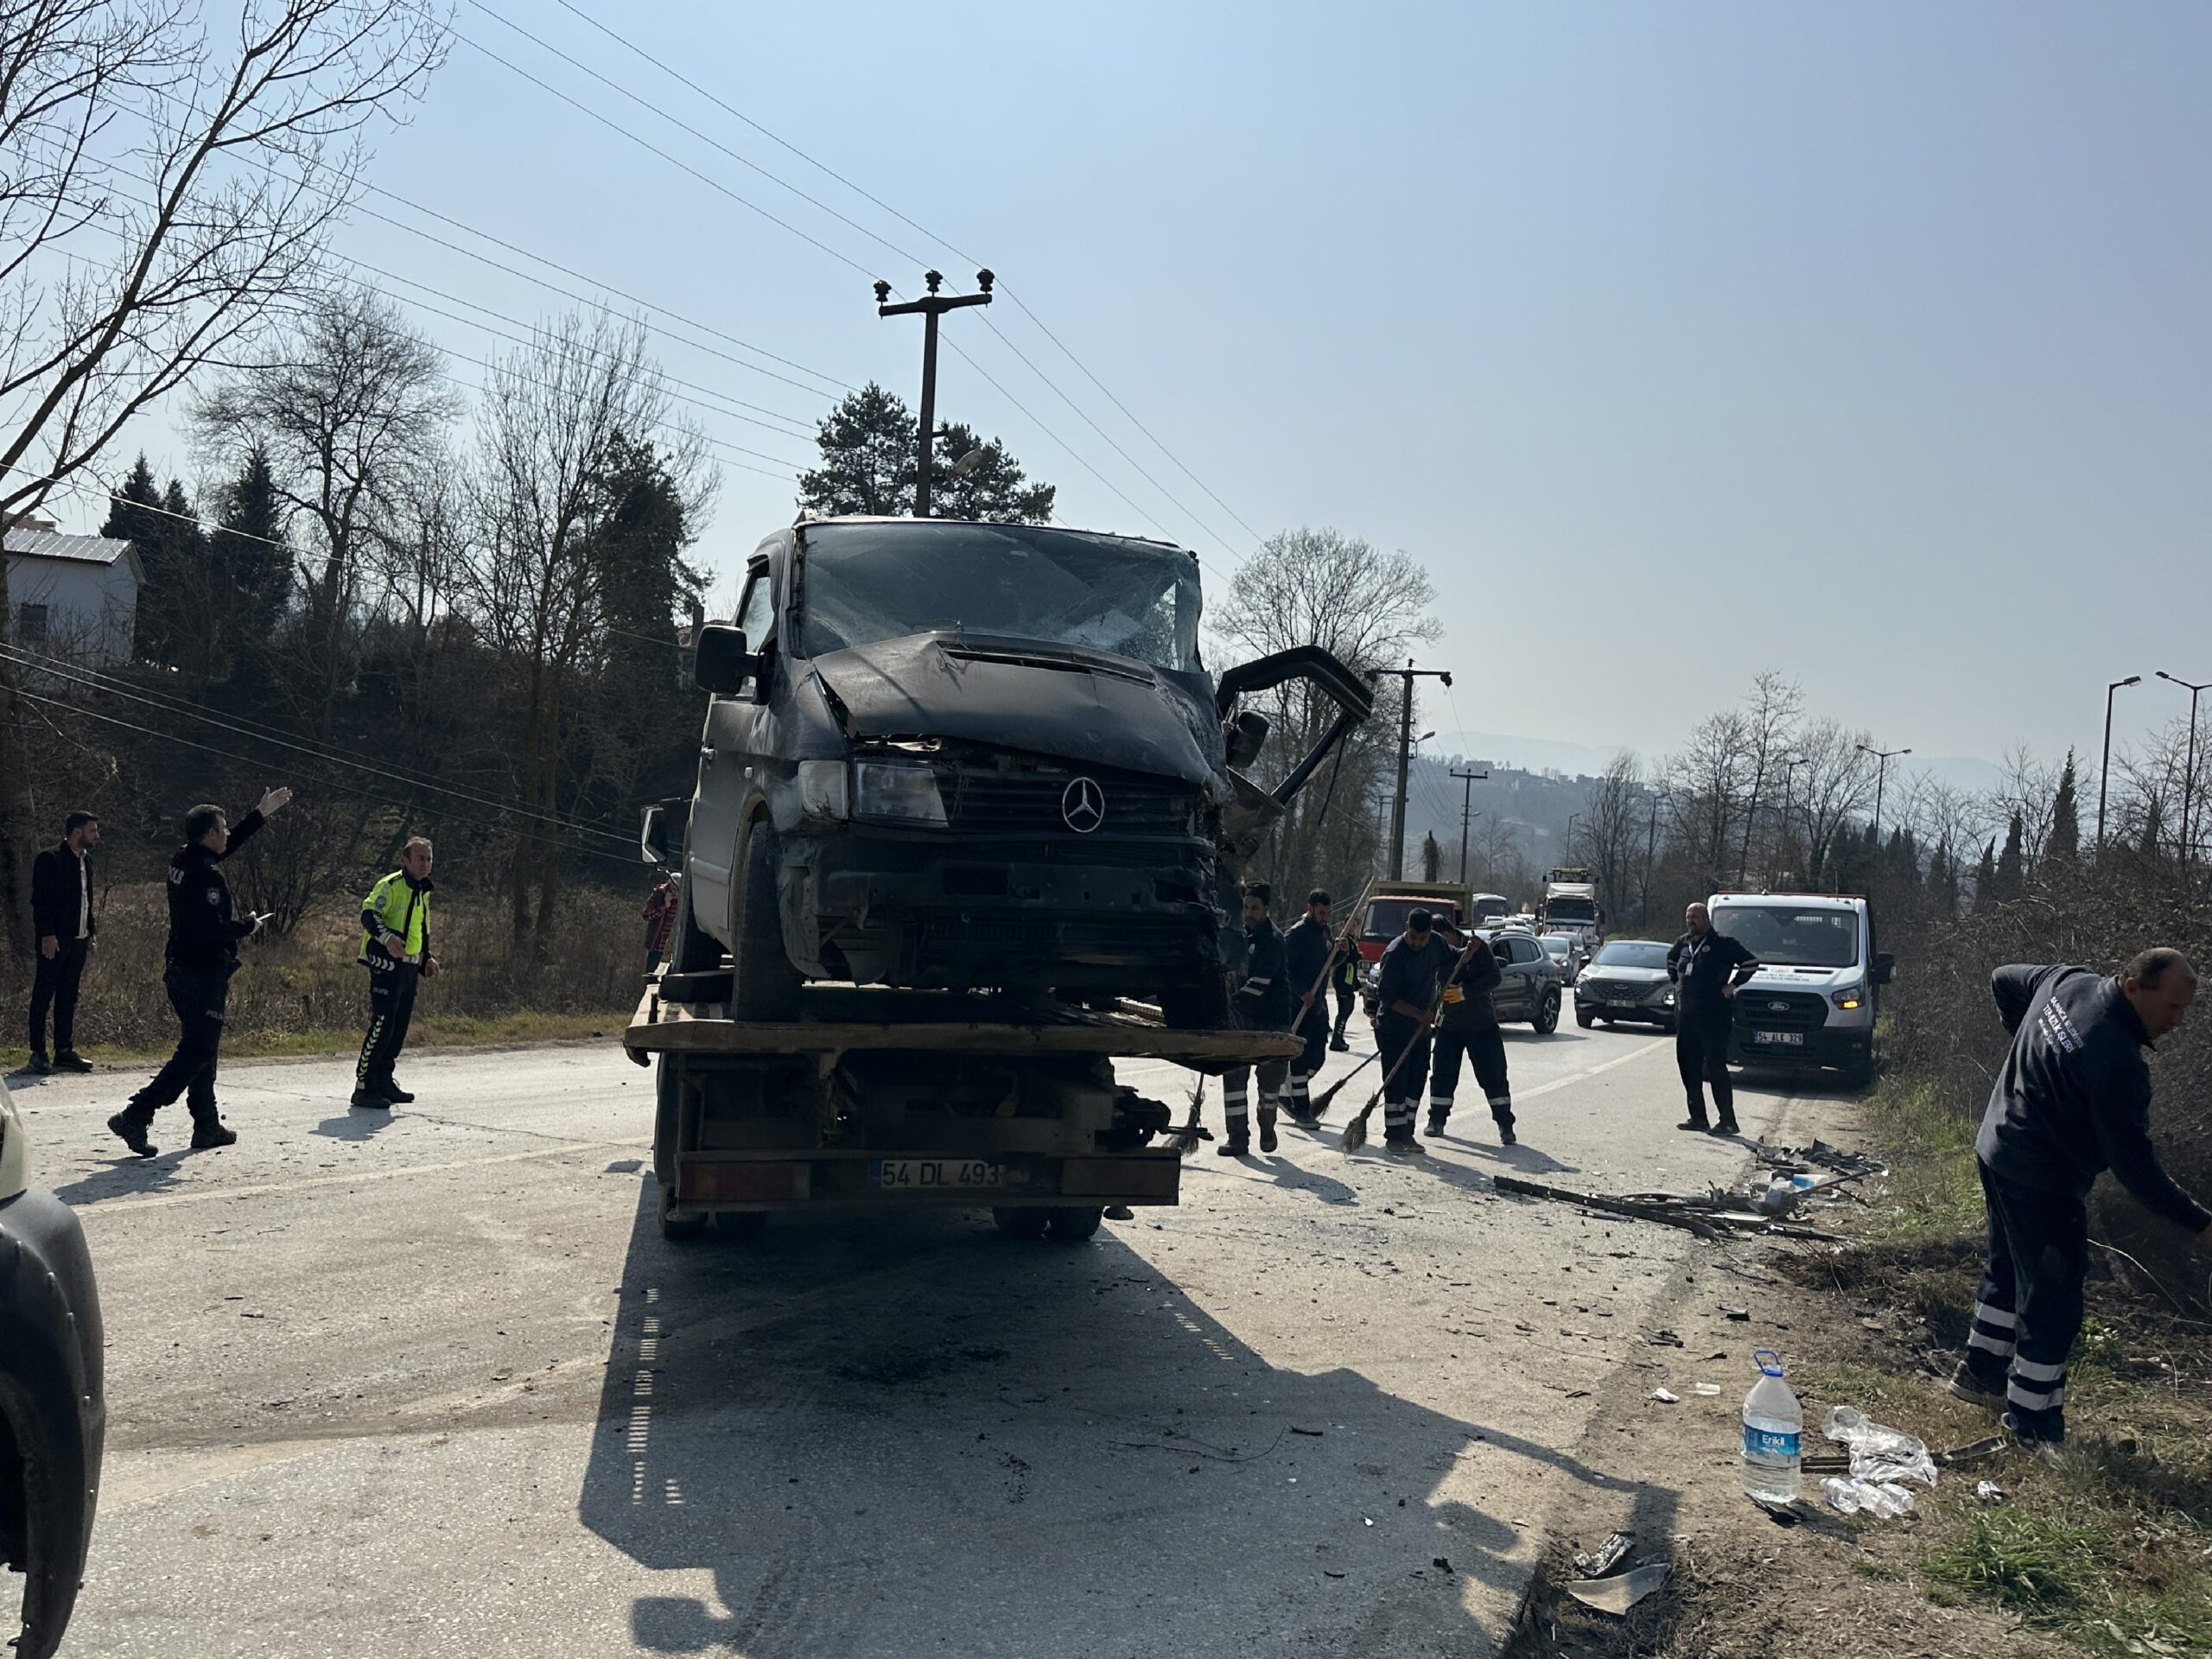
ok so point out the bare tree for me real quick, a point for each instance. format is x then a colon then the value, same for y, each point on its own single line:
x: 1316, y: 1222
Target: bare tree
x: 1770, y: 718
x: 2028, y: 789
x: 1612, y: 835
x: 556, y: 417
x: 159, y: 195
x: 1706, y: 783
x: 1833, y: 785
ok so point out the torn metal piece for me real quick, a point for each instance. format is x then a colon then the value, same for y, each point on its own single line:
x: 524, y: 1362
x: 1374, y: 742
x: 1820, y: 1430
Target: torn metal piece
x: 1607, y: 1559
x: 1618, y: 1594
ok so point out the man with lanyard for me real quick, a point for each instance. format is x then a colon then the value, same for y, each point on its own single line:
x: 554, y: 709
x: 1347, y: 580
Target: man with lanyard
x: 1307, y: 948
x: 202, y: 955
x: 2074, y: 1098
x: 62, y: 919
x: 1261, y: 1003
x: 1468, y: 1027
x: 396, y: 950
x: 1706, y: 967
x: 1406, y: 986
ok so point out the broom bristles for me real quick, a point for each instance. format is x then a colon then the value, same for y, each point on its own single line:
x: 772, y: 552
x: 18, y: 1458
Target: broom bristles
x: 1186, y: 1140
x: 1355, y: 1134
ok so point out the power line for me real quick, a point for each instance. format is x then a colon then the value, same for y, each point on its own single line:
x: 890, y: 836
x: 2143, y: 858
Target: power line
x: 682, y: 80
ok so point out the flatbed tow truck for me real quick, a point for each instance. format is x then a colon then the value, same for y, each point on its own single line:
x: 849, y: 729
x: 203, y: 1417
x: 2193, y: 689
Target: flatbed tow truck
x: 876, y: 1098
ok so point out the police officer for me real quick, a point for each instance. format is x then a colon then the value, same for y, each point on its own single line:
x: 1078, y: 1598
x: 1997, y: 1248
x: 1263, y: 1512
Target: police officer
x: 1468, y: 1027
x: 2074, y: 1098
x: 1407, y: 985
x: 396, y: 950
x: 202, y: 956
x: 1262, y: 1003
x: 1307, y: 949
x: 1706, y: 967
x: 63, y: 919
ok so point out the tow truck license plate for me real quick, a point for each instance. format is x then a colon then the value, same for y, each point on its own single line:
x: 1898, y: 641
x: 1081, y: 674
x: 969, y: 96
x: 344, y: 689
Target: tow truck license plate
x: 1787, y: 1039
x: 919, y: 1174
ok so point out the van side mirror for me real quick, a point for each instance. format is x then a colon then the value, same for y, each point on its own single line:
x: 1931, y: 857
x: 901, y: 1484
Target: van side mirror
x: 719, y: 663
x: 1886, y: 967
x: 661, y: 839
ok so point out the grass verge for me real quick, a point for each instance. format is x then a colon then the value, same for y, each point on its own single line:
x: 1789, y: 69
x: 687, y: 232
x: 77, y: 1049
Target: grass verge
x: 454, y: 1031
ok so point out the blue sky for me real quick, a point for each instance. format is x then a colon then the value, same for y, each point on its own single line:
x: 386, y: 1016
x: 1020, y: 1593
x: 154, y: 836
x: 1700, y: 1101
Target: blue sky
x: 1868, y: 343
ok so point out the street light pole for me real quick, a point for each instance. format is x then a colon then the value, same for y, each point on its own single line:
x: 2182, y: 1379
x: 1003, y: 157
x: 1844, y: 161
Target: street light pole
x: 1408, y: 675
x: 1882, y: 759
x: 930, y: 308
x: 1467, y: 815
x: 2104, y: 767
x: 1789, y: 765
x: 2189, y: 776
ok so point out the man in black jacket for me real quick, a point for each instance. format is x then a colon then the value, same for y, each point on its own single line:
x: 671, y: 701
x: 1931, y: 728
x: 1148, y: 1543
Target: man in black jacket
x: 202, y: 955
x: 1706, y: 967
x: 64, y: 920
x: 2074, y: 1098
x: 1407, y: 984
x: 1262, y: 1003
x: 1467, y: 1028
x: 1309, y: 950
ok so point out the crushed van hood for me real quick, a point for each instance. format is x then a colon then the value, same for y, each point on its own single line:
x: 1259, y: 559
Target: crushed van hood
x: 1018, y: 695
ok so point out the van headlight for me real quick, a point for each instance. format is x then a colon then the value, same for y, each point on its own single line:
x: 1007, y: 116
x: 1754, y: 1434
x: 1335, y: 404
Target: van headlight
x: 1850, y: 997
x: 899, y: 792
x: 822, y: 791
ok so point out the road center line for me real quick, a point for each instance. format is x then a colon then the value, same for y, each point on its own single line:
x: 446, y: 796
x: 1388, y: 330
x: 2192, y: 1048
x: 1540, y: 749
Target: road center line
x: 216, y: 1195
x: 1637, y: 1053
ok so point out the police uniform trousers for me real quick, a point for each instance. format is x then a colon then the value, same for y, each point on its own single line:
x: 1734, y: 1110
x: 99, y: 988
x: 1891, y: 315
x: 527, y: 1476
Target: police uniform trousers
x: 2029, y: 1309
x: 1404, y: 1047
x: 392, y: 1008
x: 202, y: 999
x: 1484, y: 1045
x: 1347, y: 1000
x: 1701, y: 1056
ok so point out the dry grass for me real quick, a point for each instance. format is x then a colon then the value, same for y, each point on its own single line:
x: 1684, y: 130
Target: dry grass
x: 306, y: 995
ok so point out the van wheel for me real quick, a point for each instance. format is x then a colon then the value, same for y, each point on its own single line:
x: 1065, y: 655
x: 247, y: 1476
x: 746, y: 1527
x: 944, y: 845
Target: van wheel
x: 667, y: 1122
x: 1860, y: 1074
x: 1545, y: 1020
x: 678, y: 1226
x: 766, y: 986
x: 1022, y: 1223
x: 691, y: 948
x: 1073, y: 1226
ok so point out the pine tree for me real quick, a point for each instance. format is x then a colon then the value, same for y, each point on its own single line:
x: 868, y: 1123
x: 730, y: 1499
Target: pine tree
x: 1985, y: 877
x: 2011, y: 865
x: 1943, y: 882
x: 250, y: 568
x: 162, y: 528
x: 868, y: 466
x: 1431, y: 858
x: 2065, y: 840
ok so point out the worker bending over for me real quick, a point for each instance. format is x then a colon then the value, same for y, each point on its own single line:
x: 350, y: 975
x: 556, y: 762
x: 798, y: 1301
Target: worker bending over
x: 1468, y: 1028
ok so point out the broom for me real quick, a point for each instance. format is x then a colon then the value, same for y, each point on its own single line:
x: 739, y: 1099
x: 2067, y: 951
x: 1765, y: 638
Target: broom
x: 1186, y: 1140
x: 1355, y: 1135
x: 1336, y: 951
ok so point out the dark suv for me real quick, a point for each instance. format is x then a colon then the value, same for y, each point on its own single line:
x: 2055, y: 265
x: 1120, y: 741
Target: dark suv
x: 978, y: 756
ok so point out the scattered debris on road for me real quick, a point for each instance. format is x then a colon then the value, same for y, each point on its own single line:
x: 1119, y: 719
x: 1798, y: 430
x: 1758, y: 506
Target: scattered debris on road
x: 1666, y: 1396
x: 1713, y: 1215
x: 1988, y: 1492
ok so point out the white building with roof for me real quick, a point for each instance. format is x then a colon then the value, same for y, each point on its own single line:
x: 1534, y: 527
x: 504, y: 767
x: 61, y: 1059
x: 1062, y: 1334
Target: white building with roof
x: 74, y: 597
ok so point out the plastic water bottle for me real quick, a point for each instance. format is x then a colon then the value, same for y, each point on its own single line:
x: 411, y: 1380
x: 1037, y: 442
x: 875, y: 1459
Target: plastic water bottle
x: 1774, y: 1426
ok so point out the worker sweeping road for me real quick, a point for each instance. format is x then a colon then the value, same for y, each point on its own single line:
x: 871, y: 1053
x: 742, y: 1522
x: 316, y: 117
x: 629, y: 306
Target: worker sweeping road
x: 1467, y: 1028
x: 1408, y: 988
x: 2074, y: 1098
x: 1261, y: 1003
x: 1312, y: 954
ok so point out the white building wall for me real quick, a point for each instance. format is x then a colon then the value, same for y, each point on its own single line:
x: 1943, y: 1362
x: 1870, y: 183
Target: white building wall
x: 92, y: 610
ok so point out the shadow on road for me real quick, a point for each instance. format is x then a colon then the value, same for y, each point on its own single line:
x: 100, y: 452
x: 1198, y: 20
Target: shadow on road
x: 131, y: 1175
x: 350, y: 1125
x: 907, y: 1434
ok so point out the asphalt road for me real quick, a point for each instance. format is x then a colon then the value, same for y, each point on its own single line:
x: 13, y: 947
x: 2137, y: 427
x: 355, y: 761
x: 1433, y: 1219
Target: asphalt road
x: 436, y: 1386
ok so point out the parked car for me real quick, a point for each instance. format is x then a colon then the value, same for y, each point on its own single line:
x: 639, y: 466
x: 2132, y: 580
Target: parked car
x: 1626, y: 980
x: 977, y: 756
x: 1530, y: 985
x: 52, y: 1395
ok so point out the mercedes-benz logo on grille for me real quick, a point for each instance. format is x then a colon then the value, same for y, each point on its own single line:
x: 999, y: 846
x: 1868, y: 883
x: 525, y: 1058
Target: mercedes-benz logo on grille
x: 1082, y: 804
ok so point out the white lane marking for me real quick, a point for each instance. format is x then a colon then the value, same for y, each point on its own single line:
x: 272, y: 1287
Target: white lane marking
x: 1637, y: 1053
x: 216, y: 1195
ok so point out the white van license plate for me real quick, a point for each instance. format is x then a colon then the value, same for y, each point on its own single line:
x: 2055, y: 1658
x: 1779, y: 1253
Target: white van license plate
x: 1783, y: 1038
x: 924, y: 1174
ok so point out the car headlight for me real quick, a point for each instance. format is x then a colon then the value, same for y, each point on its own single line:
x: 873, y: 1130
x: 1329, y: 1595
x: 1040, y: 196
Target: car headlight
x: 821, y: 792
x: 897, y: 791
x: 1851, y: 996
x: 1667, y: 1001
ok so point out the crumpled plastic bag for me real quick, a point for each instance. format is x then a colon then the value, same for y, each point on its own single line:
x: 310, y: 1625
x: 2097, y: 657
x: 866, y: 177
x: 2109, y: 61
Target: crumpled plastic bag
x: 1880, y: 1453
x: 1884, y: 1498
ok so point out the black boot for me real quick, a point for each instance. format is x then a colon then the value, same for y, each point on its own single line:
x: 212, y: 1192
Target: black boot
x: 1505, y: 1135
x: 390, y: 1090
x: 1725, y: 1127
x: 210, y: 1133
x: 38, y: 1065
x: 1436, y: 1120
x: 1337, y: 1045
x: 71, y: 1060
x: 131, y: 1124
x: 368, y: 1100
x: 1268, y: 1132
x: 1238, y: 1145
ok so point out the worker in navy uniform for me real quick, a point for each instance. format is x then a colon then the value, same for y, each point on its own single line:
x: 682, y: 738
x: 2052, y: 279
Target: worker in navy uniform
x: 1344, y: 979
x: 2074, y: 1098
x: 1707, y: 966
x: 202, y: 955
x: 1467, y: 1028
x: 1307, y: 948
x: 63, y: 920
x: 1262, y: 1002
x: 1406, y: 987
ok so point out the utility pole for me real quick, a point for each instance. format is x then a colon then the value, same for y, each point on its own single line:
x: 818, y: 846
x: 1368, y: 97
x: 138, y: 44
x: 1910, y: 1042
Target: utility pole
x: 930, y: 308
x: 2104, y: 767
x: 1406, y: 675
x: 1467, y: 816
x: 1882, y: 759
